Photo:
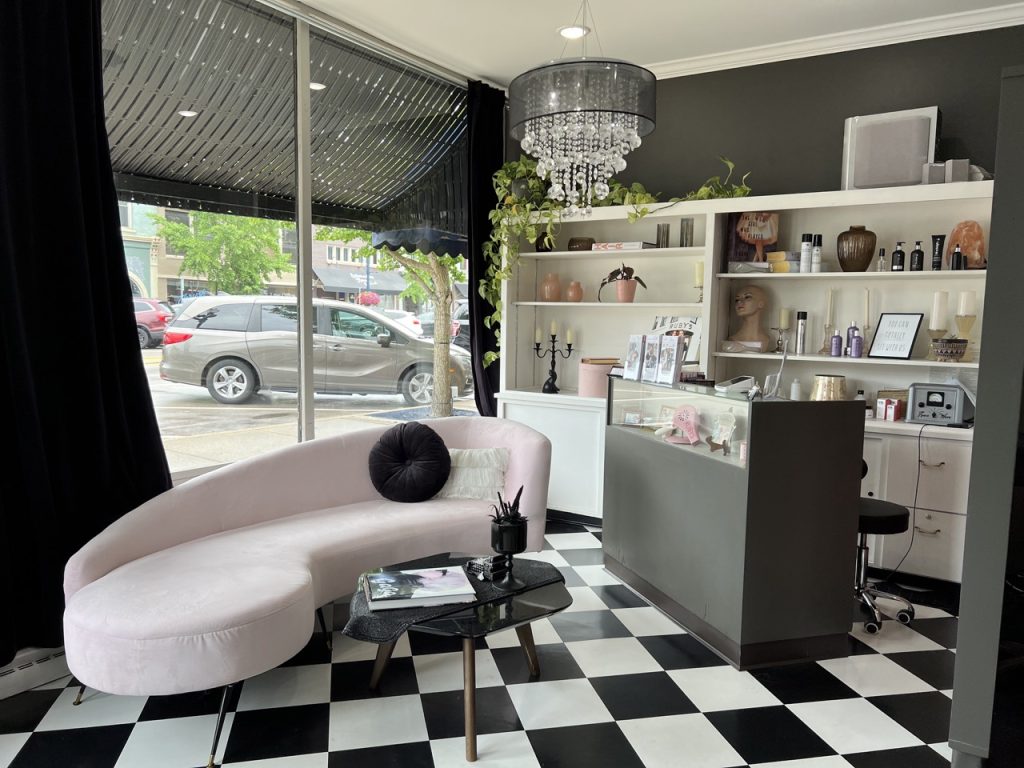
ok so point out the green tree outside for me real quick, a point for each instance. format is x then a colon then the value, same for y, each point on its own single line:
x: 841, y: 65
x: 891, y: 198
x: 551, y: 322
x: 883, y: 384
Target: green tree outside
x: 235, y: 254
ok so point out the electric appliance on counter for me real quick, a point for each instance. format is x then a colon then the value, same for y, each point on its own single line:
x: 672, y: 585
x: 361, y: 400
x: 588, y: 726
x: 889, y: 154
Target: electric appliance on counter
x: 947, y: 404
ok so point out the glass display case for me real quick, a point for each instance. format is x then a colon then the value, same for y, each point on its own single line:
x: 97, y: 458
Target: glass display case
x: 693, y: 418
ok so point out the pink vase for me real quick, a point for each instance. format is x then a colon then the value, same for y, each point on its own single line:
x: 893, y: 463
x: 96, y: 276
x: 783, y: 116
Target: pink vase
x: 625, y: 290
x: 551, y: 288
x: 575, y: 292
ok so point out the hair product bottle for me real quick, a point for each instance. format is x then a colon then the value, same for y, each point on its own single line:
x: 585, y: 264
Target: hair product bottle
x: 938, y: 244
x: 857, y: 350
x: 816, y: 254
x: 805, y: 253
x: 883, y: 264
x: 801, y: 333
x: 850, y: 332
x: 898, y: 257
x: 957, y: 259
x: 836, y: 344
x: 917, y: 258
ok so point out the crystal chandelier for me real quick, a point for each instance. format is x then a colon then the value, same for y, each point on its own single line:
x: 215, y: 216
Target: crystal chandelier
x: 580, y: 117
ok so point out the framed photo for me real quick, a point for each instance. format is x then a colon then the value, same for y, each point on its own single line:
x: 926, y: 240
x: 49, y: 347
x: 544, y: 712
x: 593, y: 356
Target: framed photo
x: 895, y: 335
x: 632, y: 416
x: 665, y: 414
x: 650, y: 365
x: 634, y: 356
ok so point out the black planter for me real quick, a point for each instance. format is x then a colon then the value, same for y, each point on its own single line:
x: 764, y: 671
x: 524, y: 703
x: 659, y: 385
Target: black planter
x: 509, y: 539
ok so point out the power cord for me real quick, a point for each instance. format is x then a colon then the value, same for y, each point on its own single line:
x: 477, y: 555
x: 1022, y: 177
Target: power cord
x: 913, y: 509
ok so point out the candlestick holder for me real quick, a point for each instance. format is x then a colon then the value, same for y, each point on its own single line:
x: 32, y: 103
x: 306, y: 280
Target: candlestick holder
x: 549, y: 386
x: 825, y: 349
x: 935, y: 334
x: 700, y: 293
x: 964, y: 324
x: 783, y: 337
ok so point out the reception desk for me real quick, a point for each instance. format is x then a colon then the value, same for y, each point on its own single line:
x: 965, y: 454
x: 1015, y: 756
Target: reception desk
x: 748, y: 537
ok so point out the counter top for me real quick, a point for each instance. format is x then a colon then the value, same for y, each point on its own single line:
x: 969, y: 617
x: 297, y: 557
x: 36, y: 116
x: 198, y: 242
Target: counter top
x: 931, y: 432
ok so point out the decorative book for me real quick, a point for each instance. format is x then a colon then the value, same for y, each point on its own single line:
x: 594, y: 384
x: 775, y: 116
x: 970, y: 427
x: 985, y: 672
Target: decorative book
x: 634, y: 245
x: 417, y: 588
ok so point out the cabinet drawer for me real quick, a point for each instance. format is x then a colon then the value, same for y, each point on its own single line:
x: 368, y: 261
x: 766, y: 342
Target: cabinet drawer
x: 938, y: 548
x: 945, y: 474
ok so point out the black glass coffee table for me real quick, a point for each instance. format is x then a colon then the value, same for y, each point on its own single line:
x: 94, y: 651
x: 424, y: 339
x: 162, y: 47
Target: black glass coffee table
x: 543, y: 594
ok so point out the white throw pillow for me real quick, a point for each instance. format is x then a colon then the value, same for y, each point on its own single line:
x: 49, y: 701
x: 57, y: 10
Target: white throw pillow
x: 477, y: 473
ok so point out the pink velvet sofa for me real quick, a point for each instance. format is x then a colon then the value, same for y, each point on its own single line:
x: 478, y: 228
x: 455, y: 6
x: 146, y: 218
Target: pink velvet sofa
x: 218, y: 579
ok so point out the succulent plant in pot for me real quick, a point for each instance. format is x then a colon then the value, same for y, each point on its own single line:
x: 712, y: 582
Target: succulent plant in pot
x: 626, y: 281
x: 508, y: 535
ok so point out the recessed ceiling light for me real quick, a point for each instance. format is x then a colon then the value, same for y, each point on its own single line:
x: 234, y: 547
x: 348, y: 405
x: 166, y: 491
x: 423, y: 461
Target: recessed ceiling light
x: 316, y: 86
x: 574, y: 32
x: 187, y: 113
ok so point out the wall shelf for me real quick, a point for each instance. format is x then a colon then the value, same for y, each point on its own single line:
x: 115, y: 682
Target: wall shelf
x: 608, y: 304
x: 632, y: 252
x: 946, y: 274
x: 829, y: 360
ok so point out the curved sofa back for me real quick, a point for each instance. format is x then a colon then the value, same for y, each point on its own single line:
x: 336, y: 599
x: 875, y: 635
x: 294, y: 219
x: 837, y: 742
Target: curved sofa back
x: 324, y: 473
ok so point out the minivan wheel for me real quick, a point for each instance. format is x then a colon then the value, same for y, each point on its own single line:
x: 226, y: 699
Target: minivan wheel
x: 231, y: 381
x: 144, y: 338
x: 418, y: 386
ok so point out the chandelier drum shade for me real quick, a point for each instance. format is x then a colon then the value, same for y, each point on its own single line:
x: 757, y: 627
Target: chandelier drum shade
x: 580, y: 117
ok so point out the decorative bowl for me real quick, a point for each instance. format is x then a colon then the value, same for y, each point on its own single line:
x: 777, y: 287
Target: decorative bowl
x: 949, y: 350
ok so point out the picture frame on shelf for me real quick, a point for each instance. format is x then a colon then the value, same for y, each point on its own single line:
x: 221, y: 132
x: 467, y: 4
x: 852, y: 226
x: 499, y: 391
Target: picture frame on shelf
x: 669, y: 359
x: 649, y: 372
x: 634, y: 358
x: 895, y: 334
x: 632, y: 416
x: 688, y: 329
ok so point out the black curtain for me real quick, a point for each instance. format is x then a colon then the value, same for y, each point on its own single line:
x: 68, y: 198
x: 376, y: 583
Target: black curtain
x: 79, y: 418
x: 486, y: 154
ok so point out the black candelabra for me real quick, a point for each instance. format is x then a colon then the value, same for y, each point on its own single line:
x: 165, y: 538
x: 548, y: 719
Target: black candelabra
x: 549, y: 386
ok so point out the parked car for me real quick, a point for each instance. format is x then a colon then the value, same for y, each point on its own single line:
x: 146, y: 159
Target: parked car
x: 406, y: 318
x: 460, y: 324
x: 151, y: 319
x: 237, y: 345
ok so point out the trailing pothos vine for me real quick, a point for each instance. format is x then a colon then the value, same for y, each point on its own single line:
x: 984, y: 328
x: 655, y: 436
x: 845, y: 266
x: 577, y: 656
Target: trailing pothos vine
x: 524, y: 212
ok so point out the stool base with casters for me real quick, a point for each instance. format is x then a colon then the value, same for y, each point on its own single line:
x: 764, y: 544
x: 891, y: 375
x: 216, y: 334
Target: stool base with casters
x: 878, y: 517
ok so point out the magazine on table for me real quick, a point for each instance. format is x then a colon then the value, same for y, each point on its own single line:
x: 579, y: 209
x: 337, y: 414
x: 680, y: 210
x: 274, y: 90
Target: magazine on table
x: 417, y: 588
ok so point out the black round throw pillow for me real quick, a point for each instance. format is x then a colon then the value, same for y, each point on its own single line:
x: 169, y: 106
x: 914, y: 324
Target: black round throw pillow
x: 409, y: 463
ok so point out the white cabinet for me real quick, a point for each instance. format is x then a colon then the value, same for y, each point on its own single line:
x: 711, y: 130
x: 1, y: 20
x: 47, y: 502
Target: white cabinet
x: 937, y: 549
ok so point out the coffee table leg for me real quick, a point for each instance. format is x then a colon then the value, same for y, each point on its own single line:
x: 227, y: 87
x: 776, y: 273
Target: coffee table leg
x: 525, y: 634
x: 469, y: 675
x: 384, y: 651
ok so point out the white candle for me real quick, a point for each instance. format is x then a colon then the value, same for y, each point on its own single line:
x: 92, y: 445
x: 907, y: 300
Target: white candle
x: 940, y: 308
x: 784, y: 319
x: 967, y: 303
x: 698, y: 274
x: 554, y: 328
x: 828, y: 312
x: 536, y: 336
x: 867, y: 307
x: 569, y: 336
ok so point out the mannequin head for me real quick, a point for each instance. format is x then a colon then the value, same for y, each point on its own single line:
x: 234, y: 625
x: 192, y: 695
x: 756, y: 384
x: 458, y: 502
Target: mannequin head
x: 750, y: 300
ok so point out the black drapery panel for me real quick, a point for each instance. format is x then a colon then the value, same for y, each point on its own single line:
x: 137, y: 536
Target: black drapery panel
x: 79, y: 418
x: 486, y: 154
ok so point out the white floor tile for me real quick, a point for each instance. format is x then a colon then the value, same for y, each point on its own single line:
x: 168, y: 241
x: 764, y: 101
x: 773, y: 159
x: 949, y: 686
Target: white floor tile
x: 494, y: 750
x: 585, y: 599
x: 718, y: 688
x: 573, y: 541
x: 287, y: 687
x: 376, y: 722
x: 853, y: 725
x: 943, y: 749
x: 948, y: 694
x: 558, y: 703
x: 173, y: 743
x: 595, y: 575
x: 96, y: 709
x: 895, y: 638
x: 10, y: 745
x: 875, y: 675
x: 543, y: 634
x: 679, y: 741
x: 644, y: 622
x: 347, y: 649
x: 835, y: 761
x: 443, y: 671
x: 546, y: 555
x: 612, y: 656
x: 313, y: 760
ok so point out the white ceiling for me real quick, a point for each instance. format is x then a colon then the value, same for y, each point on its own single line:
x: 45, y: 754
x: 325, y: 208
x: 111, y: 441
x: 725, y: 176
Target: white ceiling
x: 495, y: 41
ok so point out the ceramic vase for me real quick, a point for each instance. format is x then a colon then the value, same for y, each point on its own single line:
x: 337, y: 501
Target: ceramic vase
x: 575, y: 292
x: 855, y: 248
x: 625, y: 291
x: 543, y: 243
x: 551, y: 288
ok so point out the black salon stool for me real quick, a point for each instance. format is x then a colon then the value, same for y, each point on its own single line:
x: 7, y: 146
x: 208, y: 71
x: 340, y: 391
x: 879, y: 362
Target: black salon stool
x: 880, y: 518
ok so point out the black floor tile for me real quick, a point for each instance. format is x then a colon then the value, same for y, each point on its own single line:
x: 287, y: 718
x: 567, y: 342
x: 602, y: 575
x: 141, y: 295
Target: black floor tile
x: 588, y: 625
x: 314, y: 652
x: 768, y: 734
x: 350, y: 681
x: 679, y: 652
x: 265, y: 733
x: 926, y: 715
x: 556, y: 663
x: 563, y: 526
x: 857, y: 648
x: 651, y: 694
x: 796, y: 683
x: 424, y: 642
x: 415, y: 755
x: 583, y: 556
x: 572, y: 579
x: 595, y: 746
x: 23, y: 712
x: 79, y: 747
x: 188, y: 704
x: 619, y: 596
x: 340, y: 614
x: 911, y: 757
x: 942, y: 631
x: 934, y: 667
x: 599, y: 535
x: 444, y: 712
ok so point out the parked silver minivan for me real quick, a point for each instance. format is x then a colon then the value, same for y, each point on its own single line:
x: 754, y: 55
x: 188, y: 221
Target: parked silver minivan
x: 236, y: 345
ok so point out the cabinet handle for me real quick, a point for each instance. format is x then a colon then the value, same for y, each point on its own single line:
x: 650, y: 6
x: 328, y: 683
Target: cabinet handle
x: 930, y: 465
x: 919, y: 529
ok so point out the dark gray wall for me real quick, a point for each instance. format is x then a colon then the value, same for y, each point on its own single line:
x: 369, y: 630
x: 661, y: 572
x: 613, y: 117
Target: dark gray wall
x: 784, y: 121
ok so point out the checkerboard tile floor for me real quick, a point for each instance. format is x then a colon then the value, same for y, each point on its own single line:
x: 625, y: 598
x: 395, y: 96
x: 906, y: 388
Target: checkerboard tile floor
x: 620, y: 686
